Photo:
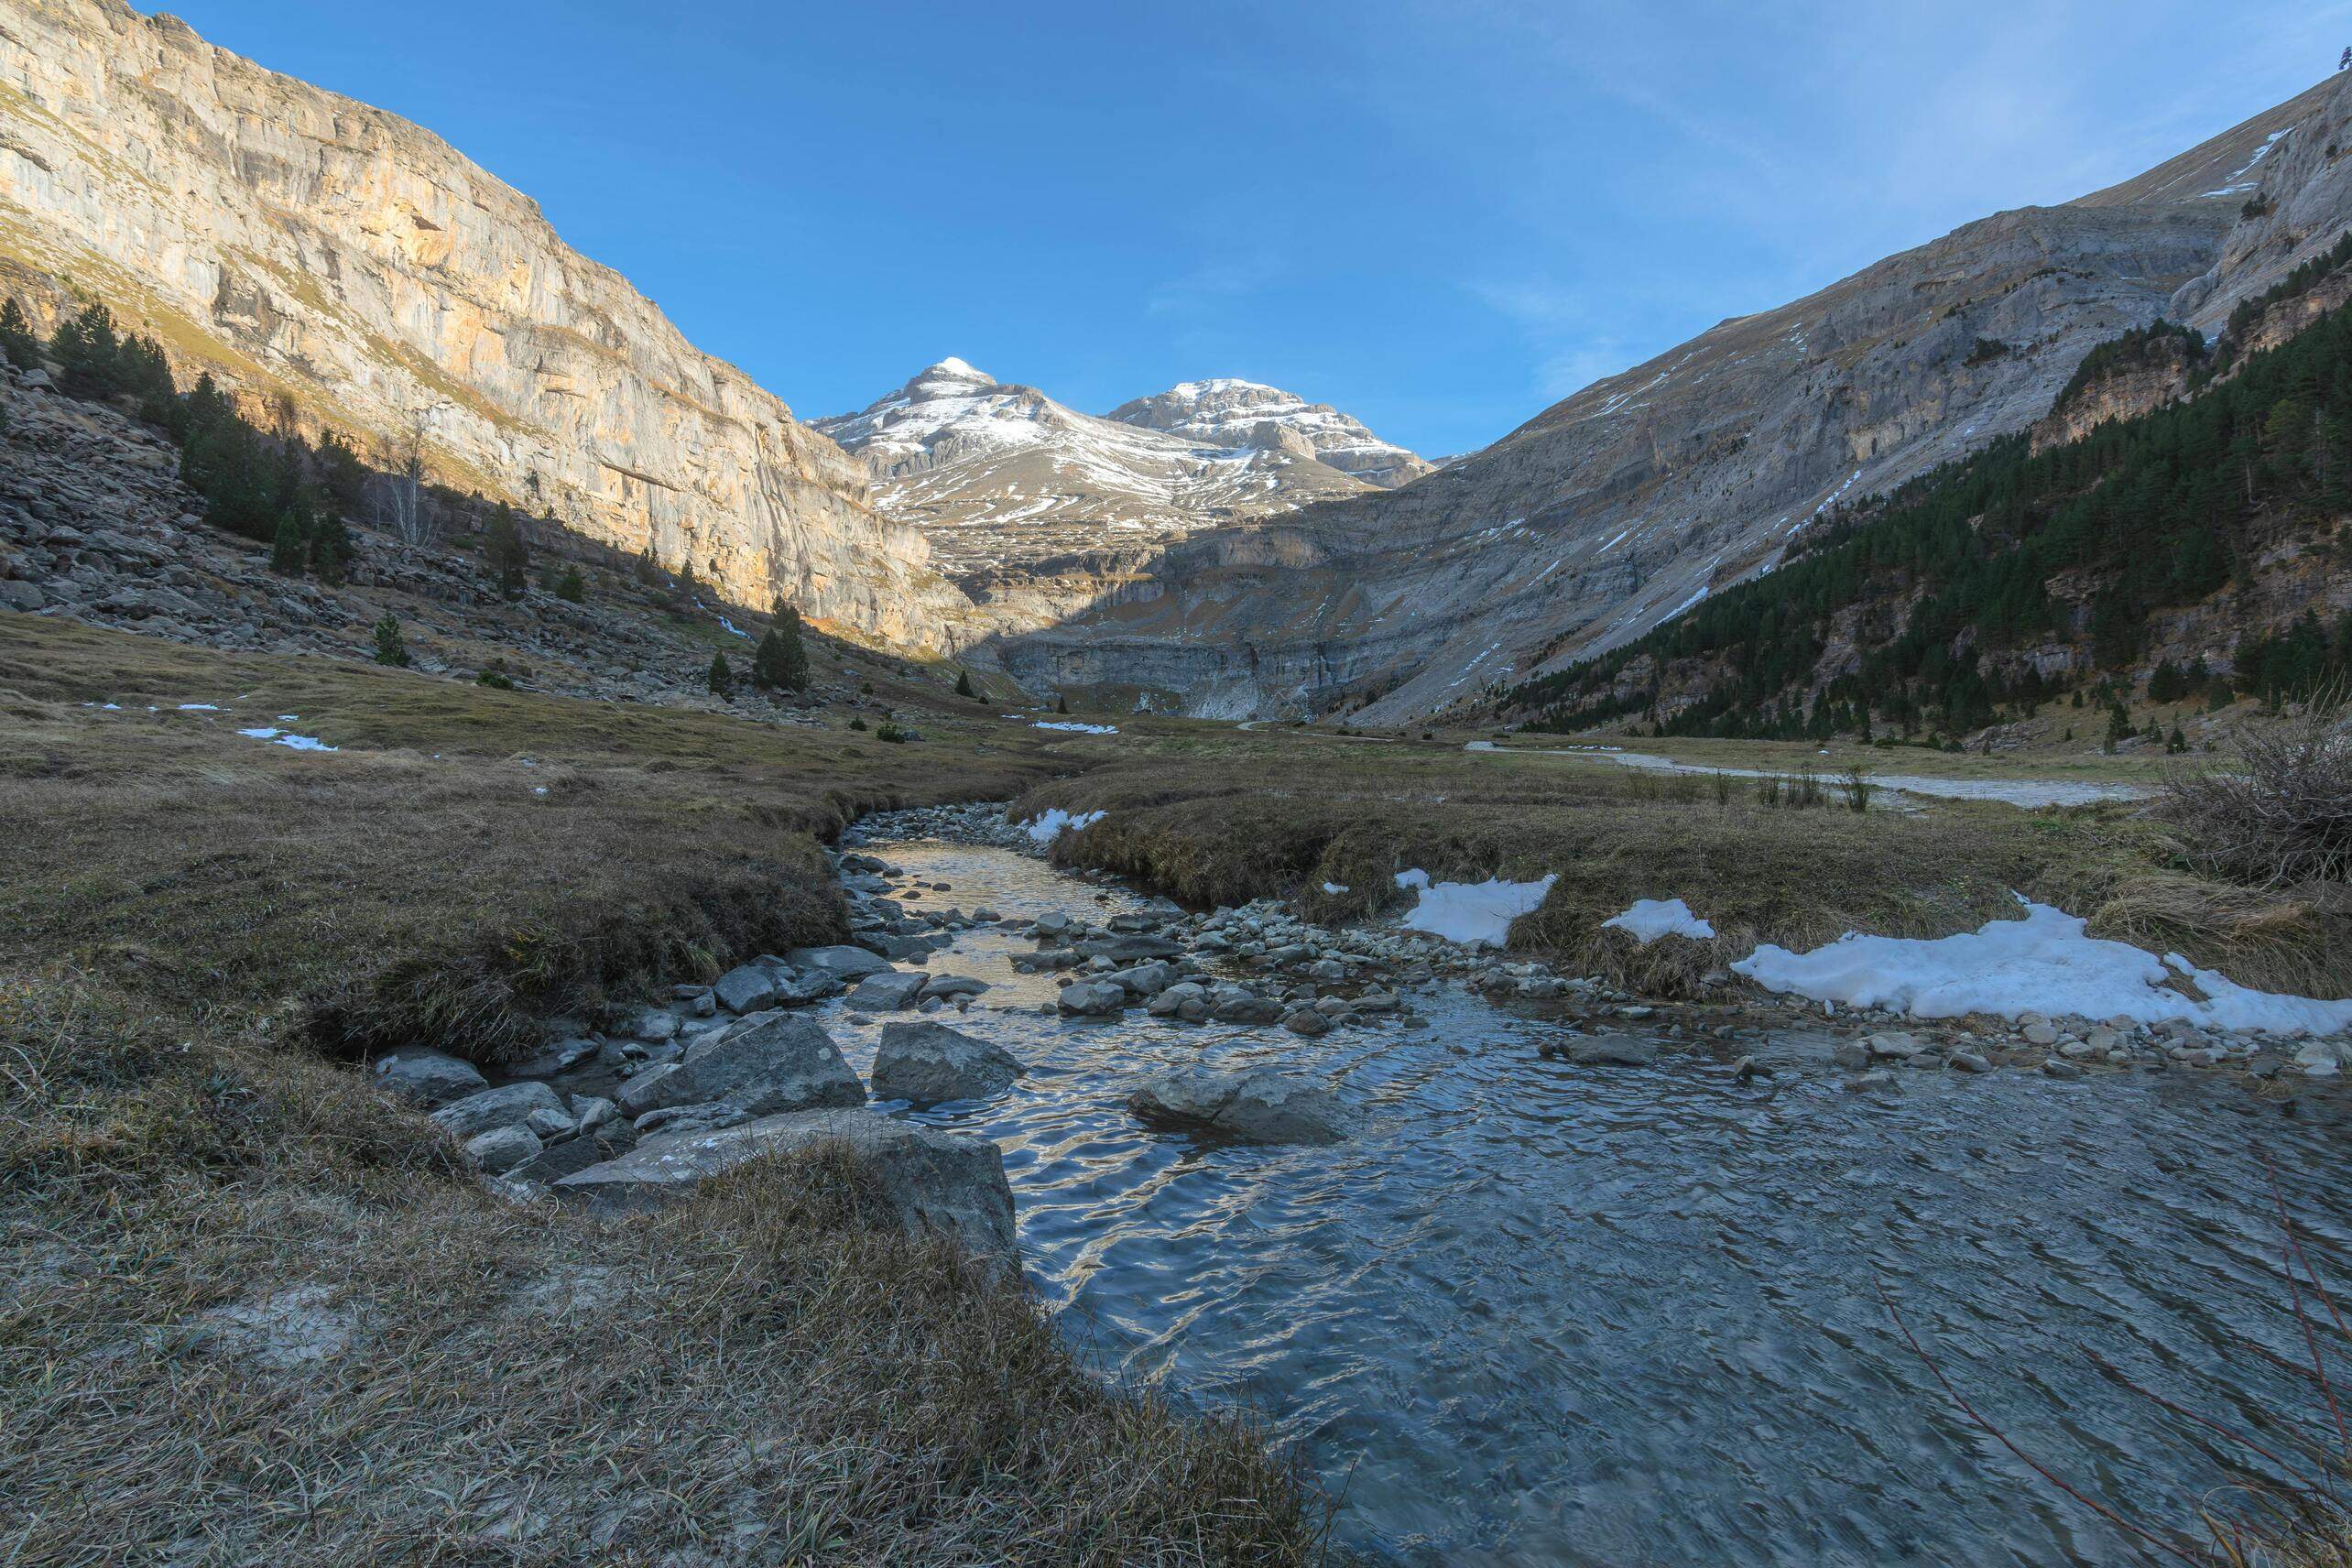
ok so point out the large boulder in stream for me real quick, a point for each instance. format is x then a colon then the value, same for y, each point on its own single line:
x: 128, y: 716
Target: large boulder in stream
x: 843, y: 963
x: 933, y: 1182
x: 926, y: 1063
x: 764, y: 1063
x: 1259, y: 1105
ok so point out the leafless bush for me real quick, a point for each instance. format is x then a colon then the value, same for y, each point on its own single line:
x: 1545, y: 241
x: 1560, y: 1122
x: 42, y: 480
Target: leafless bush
x: 2279, y: 813
x: 400, y: 503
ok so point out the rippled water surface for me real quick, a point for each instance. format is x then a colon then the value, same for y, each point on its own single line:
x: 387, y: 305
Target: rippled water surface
x: 1538, y: 1313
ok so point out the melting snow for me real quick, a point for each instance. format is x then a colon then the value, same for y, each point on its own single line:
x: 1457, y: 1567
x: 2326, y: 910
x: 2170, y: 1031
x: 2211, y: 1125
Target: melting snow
x: 2042, y: 963
x: 1057, y: 821
x: 1477, y: 912
x: 291, y: 742
x: 200, y: 708
x: 1076, y: 727
x: 1650, y: 918
x: 1335, y: 886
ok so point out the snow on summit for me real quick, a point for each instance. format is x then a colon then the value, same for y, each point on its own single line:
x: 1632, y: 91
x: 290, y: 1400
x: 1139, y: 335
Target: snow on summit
x: 998, y: 473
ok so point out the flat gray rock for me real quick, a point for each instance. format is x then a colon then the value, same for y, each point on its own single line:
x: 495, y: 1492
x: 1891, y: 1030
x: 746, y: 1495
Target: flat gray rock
x: 1260, y: 1105
x: 746, y: 988
x: 509, y: 1104
x: 937, y: 1182
x: 886, y: 993
x: 841, y: 963
x: 1091, y: 998
x: 427, y: 1078
x: 501, y: 1149
x: 772, y: 1062
x: 926, y: 1063
x: 1613, y: 1051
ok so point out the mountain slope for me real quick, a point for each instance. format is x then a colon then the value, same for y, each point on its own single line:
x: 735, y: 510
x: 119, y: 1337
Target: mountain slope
x: 353, y: 270
x: 1228, y: 413
x: 1001, y: 475
x: 1639, y: 495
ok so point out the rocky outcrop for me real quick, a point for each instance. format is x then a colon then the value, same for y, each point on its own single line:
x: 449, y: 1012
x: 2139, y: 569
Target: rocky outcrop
x: 1639, y: 497
x: 344, y: 267
x: 1225, y: 412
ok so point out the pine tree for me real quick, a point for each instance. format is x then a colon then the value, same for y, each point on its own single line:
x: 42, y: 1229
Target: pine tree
x: 722, y: 677
x: 291, y: 548
x: 964, y: 685
x: 782, y: 660
x: 569, y: 588
x: 1062, y: 705
x: 89, y: 352
x: 329, y: 548
x: 390, y: 648
x: 17, y: 341
x: 505, y: 552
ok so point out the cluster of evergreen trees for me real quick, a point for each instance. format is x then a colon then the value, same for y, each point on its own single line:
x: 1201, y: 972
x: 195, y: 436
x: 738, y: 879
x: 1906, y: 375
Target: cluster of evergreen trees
x: 2161, y: 510
x: 281, y: 489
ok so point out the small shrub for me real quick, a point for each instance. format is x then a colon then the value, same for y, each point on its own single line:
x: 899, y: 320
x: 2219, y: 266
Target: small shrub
x: 855, y: 722
x: 1855, y: 782
x: 495, y: 680
x: 569, y: 588
x: 2280, y: 814
x: 893, y: 734
x: 1722, y: 787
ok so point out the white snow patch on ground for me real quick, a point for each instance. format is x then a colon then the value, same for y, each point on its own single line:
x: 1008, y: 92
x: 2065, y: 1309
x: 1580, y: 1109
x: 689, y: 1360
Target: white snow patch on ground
x: 1475, y: 912
x: 1649, y: 918
x: 199, y: 708
x: 291, y: 742
x: 1057, y: 821
x: 1076, y: 727
x: 734, y: 629
x: 2042, y: 963
x: 1335, y: 886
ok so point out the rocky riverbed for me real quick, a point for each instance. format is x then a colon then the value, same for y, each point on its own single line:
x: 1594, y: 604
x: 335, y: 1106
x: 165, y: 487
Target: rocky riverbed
x: 1532, y: 1269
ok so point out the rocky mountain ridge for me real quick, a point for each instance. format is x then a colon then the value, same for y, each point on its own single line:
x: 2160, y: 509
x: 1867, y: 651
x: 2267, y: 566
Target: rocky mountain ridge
x: 1001, y: 477
x: 1641, y: 496
x: 340, y: 267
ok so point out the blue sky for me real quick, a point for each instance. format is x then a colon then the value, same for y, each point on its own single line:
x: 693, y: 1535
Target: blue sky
x: 1438, y: 217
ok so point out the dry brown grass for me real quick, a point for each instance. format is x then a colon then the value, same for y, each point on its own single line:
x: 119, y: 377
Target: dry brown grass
x: 1223, y: 822
x: 2278, y: 813
x: 253, y: 1313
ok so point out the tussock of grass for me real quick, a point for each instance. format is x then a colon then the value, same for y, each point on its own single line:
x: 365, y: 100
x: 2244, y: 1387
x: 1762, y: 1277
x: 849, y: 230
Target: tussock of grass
x: 251, y: 1316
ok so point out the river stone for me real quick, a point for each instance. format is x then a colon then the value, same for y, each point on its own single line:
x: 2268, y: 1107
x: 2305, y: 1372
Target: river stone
x: 929, y: 1062
x: 2040, y: 1034
x: 1852, y: 1055
x: 935, y: 1181
x: 1091, y: 998
x: 427, y: 1078
x: 1236, y: 1004
x: 841, y: 963
x: 1311, y: 1022
x: 501, y: 1149
x: 886, y: 993
x: 947, y: 987
x: 509, y: 1104
x: 561, y: 1057
x: 558, y: 1160
x: 746, y: 988
x: 778, y: 1061
x: 1185, y: 999
x: 1969, y: 1061
x: 1260, y: 1105
x: 1613, y: 1051
x: 1894, y: 1045
x: 2058, y: 1069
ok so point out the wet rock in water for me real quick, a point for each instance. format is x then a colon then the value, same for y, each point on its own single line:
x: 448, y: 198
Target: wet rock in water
x: 1260, y: 1105
x: 427, y: 1078
x: 840, y: 962
x: 769, y: 1062
x: 1091, y: 999
x: 654, y: 1026
x: 1308, y: 1021
x: 509, y: 1104
x: 709, y: 1116
x: 1239, y: 1005
x: 501, y: 1149
x: 1143, y: 980
x: 947, y: 987
x: 1851, y: 1055
x: 1612, y: 1050
x: 1877, y: 1081
x: 934, y: 1183
x: 887, y: 993
x: 926, y: 1063
x: 561, y: 1057
x: 746, y: 988
x: 1186, y: 999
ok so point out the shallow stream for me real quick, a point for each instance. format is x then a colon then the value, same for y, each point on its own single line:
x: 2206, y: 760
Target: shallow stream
x: 1538, y: 1313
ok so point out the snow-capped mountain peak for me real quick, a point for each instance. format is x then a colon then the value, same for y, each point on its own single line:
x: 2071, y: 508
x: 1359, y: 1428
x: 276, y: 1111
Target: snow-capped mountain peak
x: 1229, y: 411
x: 998, y: 473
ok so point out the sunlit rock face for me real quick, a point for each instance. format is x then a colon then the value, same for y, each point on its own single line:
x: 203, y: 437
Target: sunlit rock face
x: 351, y: 269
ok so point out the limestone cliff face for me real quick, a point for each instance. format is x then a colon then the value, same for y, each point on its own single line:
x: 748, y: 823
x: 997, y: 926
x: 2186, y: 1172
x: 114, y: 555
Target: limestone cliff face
x: 1636, y: 497
x: 336, y: 260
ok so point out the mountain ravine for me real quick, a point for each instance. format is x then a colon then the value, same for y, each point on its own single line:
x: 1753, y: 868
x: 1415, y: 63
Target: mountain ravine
x: 355, y: 269
x: 1639, y: 495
